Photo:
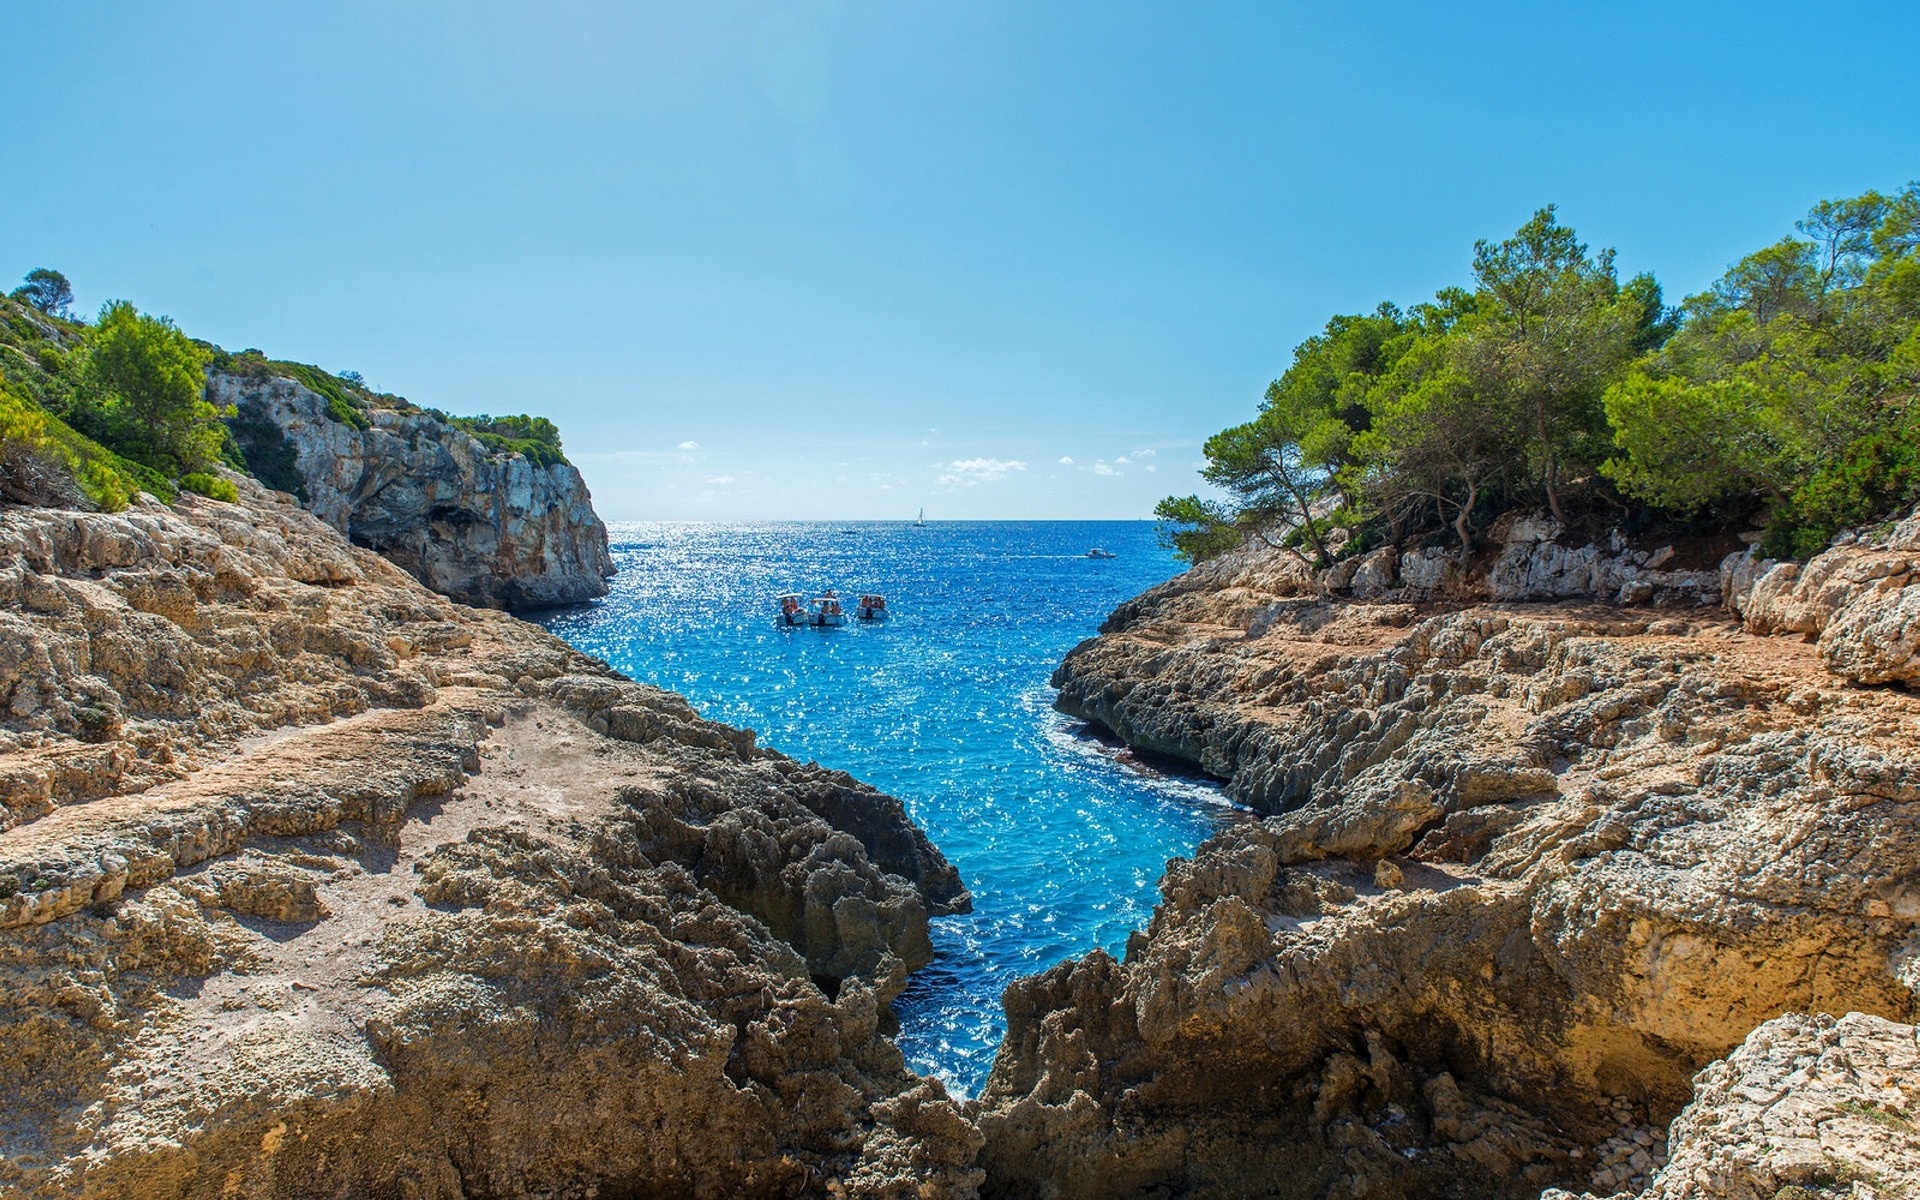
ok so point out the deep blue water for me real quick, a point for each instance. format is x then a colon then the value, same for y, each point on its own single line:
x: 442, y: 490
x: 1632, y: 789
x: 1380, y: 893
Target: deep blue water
x: 1061, y: 839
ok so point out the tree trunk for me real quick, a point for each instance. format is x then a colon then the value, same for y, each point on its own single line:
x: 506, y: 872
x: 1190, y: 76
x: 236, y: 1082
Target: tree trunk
x: 1306, y: 522
x: 1553, y: 501
x: 1546, y: 447
x: 1460, y: 526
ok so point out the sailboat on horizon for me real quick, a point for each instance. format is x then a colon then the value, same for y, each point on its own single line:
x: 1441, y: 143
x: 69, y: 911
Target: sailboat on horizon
x: 921, y: 520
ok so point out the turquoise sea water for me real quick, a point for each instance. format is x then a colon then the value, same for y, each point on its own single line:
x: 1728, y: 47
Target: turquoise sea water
x: 1061, y: 838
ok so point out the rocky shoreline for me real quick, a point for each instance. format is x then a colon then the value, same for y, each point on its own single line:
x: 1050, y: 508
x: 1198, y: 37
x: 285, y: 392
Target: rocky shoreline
x: 313, y: 882
x: 1527, y: 869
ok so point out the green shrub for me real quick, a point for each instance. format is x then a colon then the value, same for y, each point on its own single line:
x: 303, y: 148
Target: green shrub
x: 206, y: 483
x: 1877, y: 476
x: 1197, y: 529
x: 146, y: 381
x: 535, y: 437
x: 107, y: 481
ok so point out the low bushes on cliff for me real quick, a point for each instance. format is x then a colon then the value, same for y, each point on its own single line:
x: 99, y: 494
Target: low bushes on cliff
x: 535, y: 437
x: 1783, y: 395
x: 347, y: 400
x: 91, y: 415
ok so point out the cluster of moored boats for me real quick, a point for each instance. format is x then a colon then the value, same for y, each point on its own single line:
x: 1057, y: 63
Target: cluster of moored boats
x: 827, y: 609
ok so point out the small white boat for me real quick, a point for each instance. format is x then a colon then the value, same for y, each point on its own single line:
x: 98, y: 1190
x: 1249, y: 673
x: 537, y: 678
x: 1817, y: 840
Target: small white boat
x: 1097, y: 552
x: 793, y: 609
x: 921, y: 520
x: 827, y: 610
x: 872, y: 607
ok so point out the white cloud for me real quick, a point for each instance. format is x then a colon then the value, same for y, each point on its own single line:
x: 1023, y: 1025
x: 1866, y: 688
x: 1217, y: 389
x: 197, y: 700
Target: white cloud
x: 1151, y: 468
x: 1066, y: 461
x: 721, y: 479
x: 1101, y: 468
x: 1140, y: 454
x: 1122, y: 461
x: 688, y: 446
x: 979, y: 470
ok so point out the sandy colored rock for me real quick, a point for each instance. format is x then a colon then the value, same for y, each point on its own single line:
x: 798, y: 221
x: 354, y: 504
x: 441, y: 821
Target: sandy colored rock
x: 314, y: 883
x: 1807, y: 1106
x: 1628, y: 838
x: 1859, y: 602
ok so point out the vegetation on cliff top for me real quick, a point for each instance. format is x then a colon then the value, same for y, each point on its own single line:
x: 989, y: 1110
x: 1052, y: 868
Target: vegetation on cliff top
x: 95, y: 414
x: 349, y: 400
x: 1783, y: 396
x: 535, y: 437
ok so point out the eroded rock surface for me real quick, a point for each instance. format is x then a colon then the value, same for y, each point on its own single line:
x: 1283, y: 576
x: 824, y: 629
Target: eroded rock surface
x: 1807, y: 1107
x: 1859, y: 602
x: 313, y: 883
x: 1523, y: 870
x: 484, y: 528
x: 1527, y: 558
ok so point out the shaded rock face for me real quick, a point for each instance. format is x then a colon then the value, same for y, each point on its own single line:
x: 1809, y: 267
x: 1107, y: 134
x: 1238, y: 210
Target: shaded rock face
x: 314, y: 883
x: 490, y: 530
x: 1521, y: 872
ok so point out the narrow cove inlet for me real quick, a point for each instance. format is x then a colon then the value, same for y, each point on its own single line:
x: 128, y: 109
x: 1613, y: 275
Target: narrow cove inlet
x: 946, y: 705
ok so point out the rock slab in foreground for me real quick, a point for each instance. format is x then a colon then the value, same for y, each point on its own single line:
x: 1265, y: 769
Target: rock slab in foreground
x: 313, y: 883
x: 487, y: 529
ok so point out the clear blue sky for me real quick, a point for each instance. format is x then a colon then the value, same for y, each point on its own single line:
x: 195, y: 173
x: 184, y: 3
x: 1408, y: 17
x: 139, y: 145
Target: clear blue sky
x: 848, y: 260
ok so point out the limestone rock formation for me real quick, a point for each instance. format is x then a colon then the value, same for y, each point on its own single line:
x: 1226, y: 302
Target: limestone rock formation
x: 1617, y: 842
x: 314, y: 883
x: 1806, y: 1107
x: 488, y: 529
x: 1529, y: 561
x: 1859, y: 601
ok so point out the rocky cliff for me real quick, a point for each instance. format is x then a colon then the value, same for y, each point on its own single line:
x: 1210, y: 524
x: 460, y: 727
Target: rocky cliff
x: 313, y: 883
x: 485, y: 527
x: 1530, y: 881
